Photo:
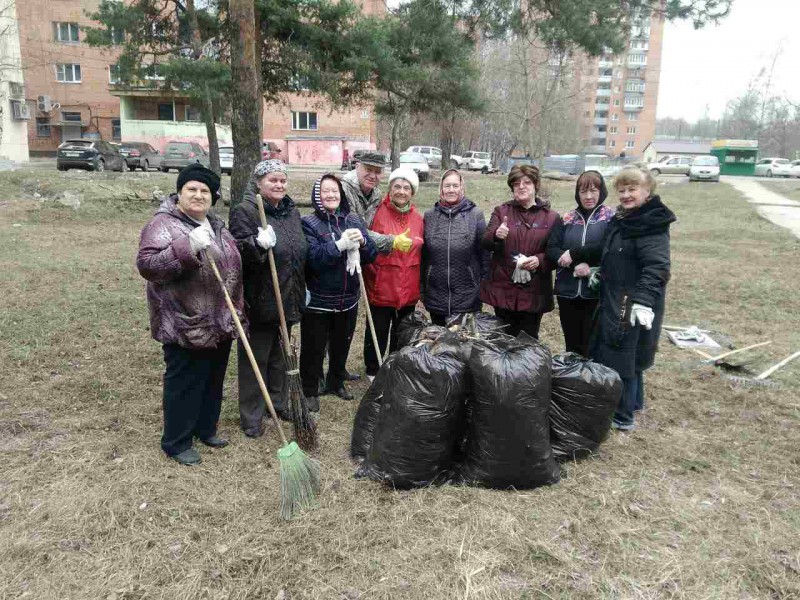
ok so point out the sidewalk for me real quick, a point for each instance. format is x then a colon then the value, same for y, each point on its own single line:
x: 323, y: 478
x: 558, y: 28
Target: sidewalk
x: 773, y: 207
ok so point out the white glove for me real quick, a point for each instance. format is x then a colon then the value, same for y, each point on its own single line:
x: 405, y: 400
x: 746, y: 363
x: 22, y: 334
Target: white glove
x: 345, y: 243
x: 266, y: 237
x: 521, y: 275
x: 353, y: 261
x: 200, y: 238
x: 643, y: 314
x: 354, y: 235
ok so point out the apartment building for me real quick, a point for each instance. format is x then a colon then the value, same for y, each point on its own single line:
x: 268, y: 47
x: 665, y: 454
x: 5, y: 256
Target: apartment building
x: 621, y: 93
x: 14, y: 113
x: 71, y: 91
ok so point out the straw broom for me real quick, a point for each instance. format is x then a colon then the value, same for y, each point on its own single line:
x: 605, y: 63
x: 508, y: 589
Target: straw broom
x: 299, y: 474
x: 305, y: 430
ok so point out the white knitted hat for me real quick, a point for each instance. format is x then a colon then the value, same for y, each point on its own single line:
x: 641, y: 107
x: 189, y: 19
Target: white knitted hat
x: 405, y: 173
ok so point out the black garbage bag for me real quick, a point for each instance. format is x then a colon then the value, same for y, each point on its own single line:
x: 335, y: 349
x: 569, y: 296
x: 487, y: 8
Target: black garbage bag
x: 584, y: 397
x: 367, y: 413
x: 421, y: 417
x: 508, y: 438
x: 409, y: 327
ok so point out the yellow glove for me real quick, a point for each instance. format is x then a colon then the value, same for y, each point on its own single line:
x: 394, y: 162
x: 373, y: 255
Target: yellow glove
x: 402, y: 242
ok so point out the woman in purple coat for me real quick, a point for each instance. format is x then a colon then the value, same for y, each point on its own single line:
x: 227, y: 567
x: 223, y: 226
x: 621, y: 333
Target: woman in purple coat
x: 188, y: 313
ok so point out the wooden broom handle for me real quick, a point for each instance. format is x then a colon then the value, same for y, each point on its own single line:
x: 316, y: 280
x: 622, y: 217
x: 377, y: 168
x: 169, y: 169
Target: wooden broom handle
x: 275, y: 283
x: 369, y: 319
x: 247, y: 348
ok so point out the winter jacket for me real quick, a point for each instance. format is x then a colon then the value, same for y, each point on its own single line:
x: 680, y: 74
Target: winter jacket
x: 187, y: 305
x: 528, y: 232
x: 635, y: 268
x: 290, y: 260
x: 393, y: 279
x: 582, y: 233
x: 330, y: 286
x: 453, y: 262
x: 365, y: 206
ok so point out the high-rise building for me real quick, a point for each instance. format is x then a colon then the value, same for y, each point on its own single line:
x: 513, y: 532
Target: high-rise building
x: 621, y: 93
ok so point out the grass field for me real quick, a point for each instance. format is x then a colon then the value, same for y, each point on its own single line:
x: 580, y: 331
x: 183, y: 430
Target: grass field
x: 701, y: 501
x: 786, y: 187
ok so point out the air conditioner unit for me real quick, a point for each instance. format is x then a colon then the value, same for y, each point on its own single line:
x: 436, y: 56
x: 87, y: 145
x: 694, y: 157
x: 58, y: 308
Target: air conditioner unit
x: 20, y: 110
x: 16, y: 90
x: 44, y: 103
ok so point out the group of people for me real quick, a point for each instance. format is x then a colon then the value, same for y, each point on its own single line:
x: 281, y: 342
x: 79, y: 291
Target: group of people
x: 612, y: 268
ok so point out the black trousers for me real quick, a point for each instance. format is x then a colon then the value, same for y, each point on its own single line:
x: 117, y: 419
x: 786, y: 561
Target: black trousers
x: 520, y: 320
x: 576, y: 322
x: 386, y: 319
x: 318, y: 330
x: 267, y: 349
x: 438, y: 319
x: 192, y: 394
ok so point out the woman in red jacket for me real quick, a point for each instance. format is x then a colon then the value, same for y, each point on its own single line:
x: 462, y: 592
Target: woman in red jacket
x: 393, y: 279
x: 520, y: 285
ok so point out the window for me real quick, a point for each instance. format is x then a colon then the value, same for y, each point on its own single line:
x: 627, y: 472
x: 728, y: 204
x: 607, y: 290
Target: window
x: 631, y: 129
x: 634, y: 101
x: 615, y: 117
x: 629, y: 144
x: 43, y: 127
x: 612, y: 129
x: 587, y: 113
x: 166, y: 112
x: 637, y: 59
x: 71, y: 117
x: 612, y: 144
x: 616, y: 102
x: 631, y: 116
x: 153, y: 72
x: 300, y: 83
x: 304, y: 120
x: 68, y: 73
x: 634, y: 86
x: 66, y: 33
x: 116, y: 129
x: 616, y: 89
x: 193, y: 114
x: 117, y: 35
x: 113, y: 74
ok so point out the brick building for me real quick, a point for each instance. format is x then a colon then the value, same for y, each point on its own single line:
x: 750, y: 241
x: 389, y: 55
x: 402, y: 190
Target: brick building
x: 70, y: 93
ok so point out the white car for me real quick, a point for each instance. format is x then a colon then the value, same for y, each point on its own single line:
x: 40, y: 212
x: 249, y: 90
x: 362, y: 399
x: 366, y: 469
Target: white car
x: 417, y: 162
x: 672, y: 165
x: 795, y: 170
x: 773, y: 167
x: 432, y: 154
x: 476, y: 161
x: 226, y: 159
x: 704, y: 168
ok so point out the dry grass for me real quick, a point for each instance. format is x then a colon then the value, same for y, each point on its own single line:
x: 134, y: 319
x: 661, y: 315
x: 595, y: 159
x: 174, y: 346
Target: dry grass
x: 700, y: 502
x: 786, y: 187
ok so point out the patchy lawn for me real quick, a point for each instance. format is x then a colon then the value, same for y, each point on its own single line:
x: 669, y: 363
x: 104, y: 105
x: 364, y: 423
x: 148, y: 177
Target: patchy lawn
x: 786, y: 187
x: 701, y: 501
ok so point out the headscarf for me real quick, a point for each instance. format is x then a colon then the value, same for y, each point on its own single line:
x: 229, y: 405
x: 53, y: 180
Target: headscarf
x: 265, y: 167
x: 460, y: 178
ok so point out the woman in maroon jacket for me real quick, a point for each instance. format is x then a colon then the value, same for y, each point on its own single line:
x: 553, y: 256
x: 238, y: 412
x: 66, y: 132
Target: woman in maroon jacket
x: 520, y: 286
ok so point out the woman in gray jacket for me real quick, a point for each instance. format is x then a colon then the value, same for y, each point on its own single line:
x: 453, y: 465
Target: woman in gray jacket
x: 453, y: 261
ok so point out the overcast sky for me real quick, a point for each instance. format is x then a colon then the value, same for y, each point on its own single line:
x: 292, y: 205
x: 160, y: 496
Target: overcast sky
x: 713, y: 65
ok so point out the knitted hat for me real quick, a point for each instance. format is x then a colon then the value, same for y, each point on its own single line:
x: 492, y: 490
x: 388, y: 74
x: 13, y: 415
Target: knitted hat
x: 265, y: 167
x: 197, y: 172
x: 405, y: 173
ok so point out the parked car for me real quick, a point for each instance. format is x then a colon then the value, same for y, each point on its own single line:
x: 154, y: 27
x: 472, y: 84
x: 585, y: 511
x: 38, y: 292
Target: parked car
x: 704, y: 168
x: 178, y: 155
x: 432, y: 154
x: 795, y: 170
x: 269, y: 150
x: 354, y: 158
x: 140, y: 155
x: 773, y: 167
x: 476, y: 161
x: 92, y: 155
x: 418, y: 162
x: 673, y: 165
x: 226, y: 159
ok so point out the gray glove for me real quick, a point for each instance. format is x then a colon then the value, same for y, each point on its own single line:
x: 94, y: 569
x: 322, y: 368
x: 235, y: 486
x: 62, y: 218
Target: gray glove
x: 521, y: 276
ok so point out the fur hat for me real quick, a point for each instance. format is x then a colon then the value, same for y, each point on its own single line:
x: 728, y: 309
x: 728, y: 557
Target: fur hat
x: 405, y: 173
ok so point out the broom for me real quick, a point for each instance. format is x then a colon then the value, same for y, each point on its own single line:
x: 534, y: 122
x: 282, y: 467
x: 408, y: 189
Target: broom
x: 305, y: 430
x: 299, y: 473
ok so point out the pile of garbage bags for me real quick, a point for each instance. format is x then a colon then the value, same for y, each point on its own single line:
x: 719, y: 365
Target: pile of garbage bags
x: 477, y: 407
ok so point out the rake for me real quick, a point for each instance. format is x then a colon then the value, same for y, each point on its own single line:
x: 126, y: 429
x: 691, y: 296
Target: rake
x: 299, y: 474
x: 305, y: 430
x: 761, y: 380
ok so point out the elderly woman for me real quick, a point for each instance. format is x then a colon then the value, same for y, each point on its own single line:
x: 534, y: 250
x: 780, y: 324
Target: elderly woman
x: 576, y: 245
x: 337, y: 244
x: 634, y: 270
x: 520, y: 285
x: 284, y: 234
x: 393, y: 279
x: 452, y: 258
x: 188, y: 313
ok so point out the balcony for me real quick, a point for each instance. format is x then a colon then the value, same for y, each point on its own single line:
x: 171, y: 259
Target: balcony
x: 604, y: 93
x: 604, y: 79
x: 602, y: 105
x: 600, y: 120
x: 605, y: 63
x: 595, y: 149
x: 637, y: 61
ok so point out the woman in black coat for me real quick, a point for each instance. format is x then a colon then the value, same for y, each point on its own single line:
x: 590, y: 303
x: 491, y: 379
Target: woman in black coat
x: 634, y: 271
x: 284, y: 234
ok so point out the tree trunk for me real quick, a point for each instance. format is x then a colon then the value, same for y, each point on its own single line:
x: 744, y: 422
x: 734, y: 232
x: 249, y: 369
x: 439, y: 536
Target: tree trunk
x: 207, y: 108
x: 246, y: 99
x: 397, y: 119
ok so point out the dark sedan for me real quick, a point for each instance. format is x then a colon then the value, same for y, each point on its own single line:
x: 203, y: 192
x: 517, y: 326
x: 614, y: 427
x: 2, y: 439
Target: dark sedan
x: 92, y: 155
x: 140, y: 155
